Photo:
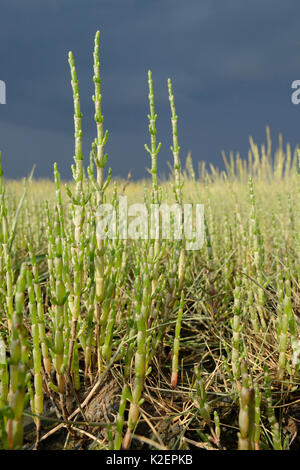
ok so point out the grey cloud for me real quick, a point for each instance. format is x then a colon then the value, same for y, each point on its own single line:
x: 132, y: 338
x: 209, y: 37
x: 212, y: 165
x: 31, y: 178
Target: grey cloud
x: 231, y: 64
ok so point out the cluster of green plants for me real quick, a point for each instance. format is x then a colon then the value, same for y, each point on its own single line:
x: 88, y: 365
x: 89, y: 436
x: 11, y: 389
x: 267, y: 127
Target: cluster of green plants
x: 204, y: 341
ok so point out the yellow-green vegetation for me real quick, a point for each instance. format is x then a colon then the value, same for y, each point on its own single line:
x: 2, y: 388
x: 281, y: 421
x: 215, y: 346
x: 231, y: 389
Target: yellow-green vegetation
x: 200, y: 348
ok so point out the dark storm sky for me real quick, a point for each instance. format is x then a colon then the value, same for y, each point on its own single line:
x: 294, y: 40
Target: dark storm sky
x: 231, y: 62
